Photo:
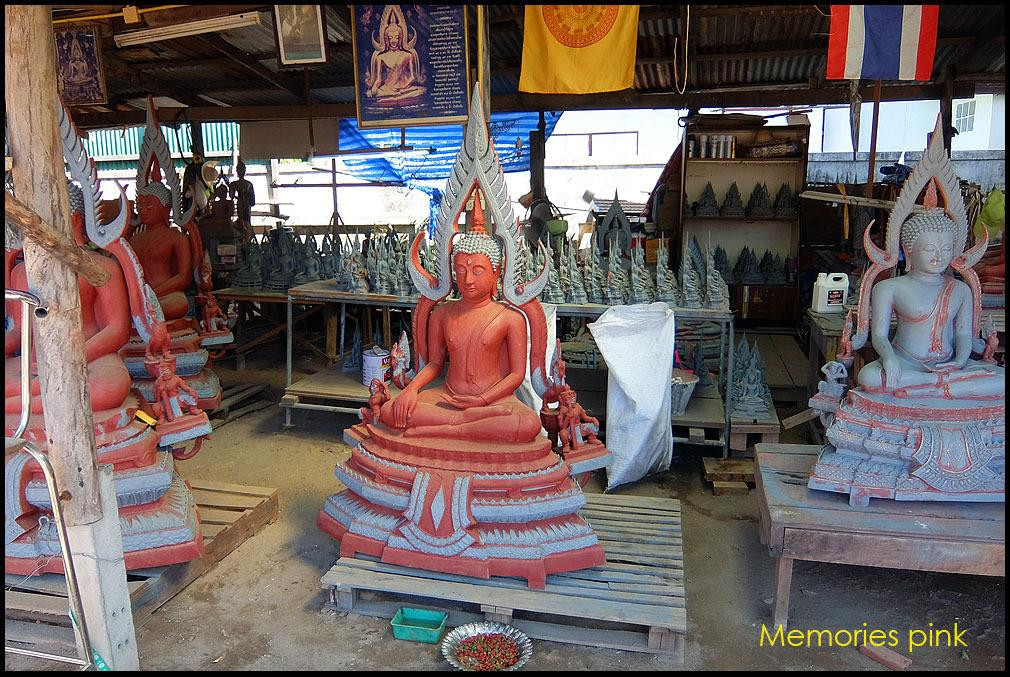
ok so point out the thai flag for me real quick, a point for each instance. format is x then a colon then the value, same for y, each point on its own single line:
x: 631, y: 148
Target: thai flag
x: 882, y: 42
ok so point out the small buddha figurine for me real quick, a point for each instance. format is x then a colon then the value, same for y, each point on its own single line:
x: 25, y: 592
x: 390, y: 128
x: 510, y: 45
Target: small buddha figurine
x: 925, y: 421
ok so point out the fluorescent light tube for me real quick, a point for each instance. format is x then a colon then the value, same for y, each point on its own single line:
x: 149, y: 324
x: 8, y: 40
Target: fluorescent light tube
x: 220, y: 23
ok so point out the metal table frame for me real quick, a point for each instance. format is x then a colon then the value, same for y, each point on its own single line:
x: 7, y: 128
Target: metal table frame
x: 313, y: 293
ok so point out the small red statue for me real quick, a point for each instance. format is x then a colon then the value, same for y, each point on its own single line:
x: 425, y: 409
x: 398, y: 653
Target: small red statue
x: 380, y: 395
x: 576, y: 427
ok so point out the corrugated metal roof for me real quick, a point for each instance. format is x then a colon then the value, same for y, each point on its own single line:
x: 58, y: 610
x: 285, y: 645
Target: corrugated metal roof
x: 779, y: 46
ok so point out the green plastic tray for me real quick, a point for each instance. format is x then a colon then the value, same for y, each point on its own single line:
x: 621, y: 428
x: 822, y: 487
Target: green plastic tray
x: 419, y: 625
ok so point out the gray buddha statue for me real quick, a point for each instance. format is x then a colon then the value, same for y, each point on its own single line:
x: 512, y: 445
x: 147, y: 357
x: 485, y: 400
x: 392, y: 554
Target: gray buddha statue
x: 667, y: 288
x: 732, y: 204
x: 926, y: 420
x: 250, y: 272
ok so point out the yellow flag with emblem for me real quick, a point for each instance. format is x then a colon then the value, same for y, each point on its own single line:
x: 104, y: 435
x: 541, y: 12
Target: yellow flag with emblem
x: 579, y: 49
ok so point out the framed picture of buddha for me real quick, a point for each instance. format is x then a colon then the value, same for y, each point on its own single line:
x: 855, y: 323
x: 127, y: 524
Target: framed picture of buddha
x: 410, y: 65
x: 79, y: 73
x: 301, y: 34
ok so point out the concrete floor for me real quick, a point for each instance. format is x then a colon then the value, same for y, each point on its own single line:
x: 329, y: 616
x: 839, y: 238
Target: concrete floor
x: 259, y: 609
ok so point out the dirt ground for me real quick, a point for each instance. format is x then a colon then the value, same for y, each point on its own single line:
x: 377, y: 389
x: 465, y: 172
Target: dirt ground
x: 259, y: 608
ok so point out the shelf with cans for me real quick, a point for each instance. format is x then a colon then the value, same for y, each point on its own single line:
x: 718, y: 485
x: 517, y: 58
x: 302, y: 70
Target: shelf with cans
x: 739, y: 190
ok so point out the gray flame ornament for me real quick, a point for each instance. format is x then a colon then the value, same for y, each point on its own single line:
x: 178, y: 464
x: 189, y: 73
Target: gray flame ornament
x: 83, y: 171
x: 154, y: 146
x: 477, y: 165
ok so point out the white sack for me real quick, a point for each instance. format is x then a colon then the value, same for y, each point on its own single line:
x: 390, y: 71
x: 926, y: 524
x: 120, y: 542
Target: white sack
x: 637, y: 344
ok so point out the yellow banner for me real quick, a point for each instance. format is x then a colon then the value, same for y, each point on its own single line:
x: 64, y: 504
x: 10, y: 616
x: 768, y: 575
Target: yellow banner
x: 579, y: 49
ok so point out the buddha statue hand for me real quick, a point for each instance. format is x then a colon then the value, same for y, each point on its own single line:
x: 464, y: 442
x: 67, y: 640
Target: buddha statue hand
x: 403, y: 407
x: 890, y: 372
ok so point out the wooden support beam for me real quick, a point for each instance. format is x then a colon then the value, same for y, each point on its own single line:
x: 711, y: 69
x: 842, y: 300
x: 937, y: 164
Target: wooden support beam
x: 31, y: 225
x: 87, y: 494
x: 145, y: 82
x: 241, y: 58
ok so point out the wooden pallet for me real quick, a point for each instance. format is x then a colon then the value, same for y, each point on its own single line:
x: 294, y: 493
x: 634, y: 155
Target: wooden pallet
x: 238, y: 400
x: 746, y: 432
x: 229, y: 514
x: 703, y: 421
x: 729, y: 476
x: 635, y: 602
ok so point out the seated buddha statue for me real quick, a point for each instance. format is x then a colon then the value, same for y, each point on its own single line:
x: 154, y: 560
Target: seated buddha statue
x: 929, y: 354
x: 158, y: 520
x: 105, y: 312
x: 485, y: 341
x: 457, y: 476
x: 926, y: 421
x: 163, y: 251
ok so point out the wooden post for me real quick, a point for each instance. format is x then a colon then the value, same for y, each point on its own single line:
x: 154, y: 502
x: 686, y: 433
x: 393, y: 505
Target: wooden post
x: 40, y: 183
x: 484, y: 60
x: 947, y: 108
x: 873, y: 141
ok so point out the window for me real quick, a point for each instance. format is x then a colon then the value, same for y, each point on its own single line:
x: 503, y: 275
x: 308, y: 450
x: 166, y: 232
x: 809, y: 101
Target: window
x: 964, y: 116
x: 601, y: 145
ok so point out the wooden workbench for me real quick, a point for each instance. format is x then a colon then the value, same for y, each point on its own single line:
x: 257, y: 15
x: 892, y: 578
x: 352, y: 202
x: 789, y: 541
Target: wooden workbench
x: 798, y: 523
x: 259, y: 302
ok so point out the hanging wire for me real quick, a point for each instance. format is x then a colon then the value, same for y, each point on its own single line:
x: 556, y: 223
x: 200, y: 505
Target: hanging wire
x: 676, y: 74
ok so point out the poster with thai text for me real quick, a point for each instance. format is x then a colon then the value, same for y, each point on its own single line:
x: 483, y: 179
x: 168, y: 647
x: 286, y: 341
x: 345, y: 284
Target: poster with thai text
x: 410, y: 65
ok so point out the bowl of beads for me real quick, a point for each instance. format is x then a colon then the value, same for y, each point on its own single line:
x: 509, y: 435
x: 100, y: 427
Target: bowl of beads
x: 487, y: 646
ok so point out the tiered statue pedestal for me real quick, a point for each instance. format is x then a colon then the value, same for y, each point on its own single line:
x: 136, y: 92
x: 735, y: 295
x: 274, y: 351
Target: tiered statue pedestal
x: 884, y: 447
x: 465, y: 507
x: 798, y: 523
x: 157, y: 512
x: 192, y: 364
x: 634, y: 601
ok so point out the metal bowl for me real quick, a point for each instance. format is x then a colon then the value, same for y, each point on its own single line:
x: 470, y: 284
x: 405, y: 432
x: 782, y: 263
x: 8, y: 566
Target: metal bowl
x: 453, y: 639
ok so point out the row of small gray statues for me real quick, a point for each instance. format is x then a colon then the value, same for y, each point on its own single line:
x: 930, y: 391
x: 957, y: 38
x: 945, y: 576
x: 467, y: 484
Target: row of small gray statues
x: 284, y: 259
x: 607, y: 281
x: 758, y: 206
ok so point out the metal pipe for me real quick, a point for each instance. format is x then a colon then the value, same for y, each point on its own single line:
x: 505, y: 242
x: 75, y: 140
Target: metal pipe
x: 73, y: 590
x: 28, y: 300
x: 47, y: 656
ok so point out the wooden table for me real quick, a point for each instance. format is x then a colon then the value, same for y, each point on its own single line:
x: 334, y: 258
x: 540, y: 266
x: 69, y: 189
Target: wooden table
x: 825, y: 330
x: 255, y: 301
x: 796, y: 522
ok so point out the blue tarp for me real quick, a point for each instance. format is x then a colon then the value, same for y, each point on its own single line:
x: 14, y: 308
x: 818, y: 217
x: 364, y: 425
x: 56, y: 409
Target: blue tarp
x: 435, y: 150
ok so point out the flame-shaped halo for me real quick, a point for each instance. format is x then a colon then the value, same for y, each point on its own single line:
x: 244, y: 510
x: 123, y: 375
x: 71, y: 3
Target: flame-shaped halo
x: 83, y: 171
x: 154, y: 146
x: 936, y: 169
x: 477, y: 165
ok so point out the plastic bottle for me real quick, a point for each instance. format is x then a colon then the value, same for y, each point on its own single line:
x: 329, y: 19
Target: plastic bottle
x: 831, y: 291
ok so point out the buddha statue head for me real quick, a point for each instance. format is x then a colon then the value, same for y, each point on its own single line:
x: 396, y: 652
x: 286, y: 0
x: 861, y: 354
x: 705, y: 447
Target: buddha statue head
x: 476, y: 261
x: 153, y: 203
x: 928, y: 241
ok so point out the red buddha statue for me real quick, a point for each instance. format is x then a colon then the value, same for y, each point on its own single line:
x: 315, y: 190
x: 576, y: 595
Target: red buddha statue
x: 457, y: 477
x: 992, y: 275
x: 106, y: 316
x: 158, y: 515
x: 172, y: 260
x: 163, y: 251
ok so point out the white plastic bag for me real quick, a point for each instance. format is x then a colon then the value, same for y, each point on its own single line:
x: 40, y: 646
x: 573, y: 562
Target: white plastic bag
x: 637, y: 344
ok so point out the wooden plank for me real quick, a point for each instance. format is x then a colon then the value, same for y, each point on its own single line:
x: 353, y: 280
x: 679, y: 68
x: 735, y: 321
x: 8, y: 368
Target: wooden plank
x: 217, y: 499
x: 177, y: 577
x: 525, y: 599
x: 776, y: 374
x: 797, y: 419
x: 588, y: 592
x: 34, y: 607
x: 702, y: 412
x: 792, y: 357
x: 721, y: 488
x: 218, y: 516
x: 227, y: 487
x: 658, y: 502
x: 886, y: 657
x: 896, y: 552
x: 728, y: 470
